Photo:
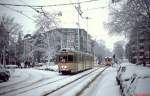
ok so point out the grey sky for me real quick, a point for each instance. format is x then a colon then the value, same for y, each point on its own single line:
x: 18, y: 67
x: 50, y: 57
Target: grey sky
x: 68, y: 18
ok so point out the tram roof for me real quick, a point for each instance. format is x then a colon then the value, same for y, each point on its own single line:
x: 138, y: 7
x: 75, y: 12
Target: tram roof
x: 66, y: 50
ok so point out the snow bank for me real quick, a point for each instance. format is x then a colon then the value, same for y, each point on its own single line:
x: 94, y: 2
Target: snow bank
x: 48, y: 68
x: 17, y: 76
x: 35, y: 78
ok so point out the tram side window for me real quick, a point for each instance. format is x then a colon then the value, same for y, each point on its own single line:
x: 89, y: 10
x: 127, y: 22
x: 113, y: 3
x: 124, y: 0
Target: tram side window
x: 70, y: 58
x: 75, y: 58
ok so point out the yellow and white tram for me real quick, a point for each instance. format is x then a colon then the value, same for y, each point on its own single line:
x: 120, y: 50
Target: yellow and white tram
x: 74, y: 61
x: 108, y: 61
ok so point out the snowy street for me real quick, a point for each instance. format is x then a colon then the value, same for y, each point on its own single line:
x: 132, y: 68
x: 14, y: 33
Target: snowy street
x: 74, y: 47
x: 33, y: 82
x: 26, y: 79
x: 99, y: 81
x: 104, y: 85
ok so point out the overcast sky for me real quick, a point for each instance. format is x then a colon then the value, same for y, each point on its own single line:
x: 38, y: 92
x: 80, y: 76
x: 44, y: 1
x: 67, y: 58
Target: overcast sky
x: 69, y: 16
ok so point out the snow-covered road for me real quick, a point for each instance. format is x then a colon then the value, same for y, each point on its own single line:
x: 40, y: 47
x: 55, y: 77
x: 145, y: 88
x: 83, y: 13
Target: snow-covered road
x: 74, y: 88
x: 104, y: 85
x: 23, y: 79
x: 33, y: 82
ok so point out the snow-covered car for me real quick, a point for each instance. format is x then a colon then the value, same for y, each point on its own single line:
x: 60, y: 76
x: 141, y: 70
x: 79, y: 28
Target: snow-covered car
x: 142, y: 87
x: 4, y: 74
x: 125, y: 76
x: 137, y: 86
x: 125, y: 72
x: 133, y: 80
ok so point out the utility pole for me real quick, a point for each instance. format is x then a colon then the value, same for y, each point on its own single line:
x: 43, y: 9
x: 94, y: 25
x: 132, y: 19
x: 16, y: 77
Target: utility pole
x: 24, y: 50
x: 87, y: 31
x: 48, y: 41
x: 15, y: 53
x: 87, y: 35
x: 137, y: 50
x: 78, y: 27
x: 4, y: 55
x: 79, y: 14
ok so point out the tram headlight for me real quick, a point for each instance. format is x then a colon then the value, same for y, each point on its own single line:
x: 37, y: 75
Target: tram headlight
x: 64, y: 67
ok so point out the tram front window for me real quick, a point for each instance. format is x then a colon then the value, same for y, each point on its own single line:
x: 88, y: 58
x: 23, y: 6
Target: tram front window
x: 65, y: 59
x: 70, y: 58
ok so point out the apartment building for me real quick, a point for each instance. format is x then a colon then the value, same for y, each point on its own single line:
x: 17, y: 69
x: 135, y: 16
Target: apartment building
x: 138, y: 48
x: 73, y: 38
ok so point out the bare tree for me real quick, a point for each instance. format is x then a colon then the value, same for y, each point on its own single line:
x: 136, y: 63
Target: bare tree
x: 131, y: 15
x: 46, y: 40
x: 9, y: 30
x: 47, y: 21
x: 101, y: 51
x: 119, y: 49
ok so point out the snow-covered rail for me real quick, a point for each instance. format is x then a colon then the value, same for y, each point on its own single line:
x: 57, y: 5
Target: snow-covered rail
x: 76, y: 86
x: 13, y: 90
x: 47, y: 85
x: 15, y: 82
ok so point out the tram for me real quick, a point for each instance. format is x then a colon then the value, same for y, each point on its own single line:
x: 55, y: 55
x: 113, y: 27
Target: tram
x: 108, y: 61
x: 70, y: 61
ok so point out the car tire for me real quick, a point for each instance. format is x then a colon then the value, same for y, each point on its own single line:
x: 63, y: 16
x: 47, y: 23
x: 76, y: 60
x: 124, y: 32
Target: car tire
x: 118, y: 81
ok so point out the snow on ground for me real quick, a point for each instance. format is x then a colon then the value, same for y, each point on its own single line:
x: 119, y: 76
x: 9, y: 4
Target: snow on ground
x: 49, y: 68
x: 108, y: 86
x: 24, y: 77
x: 33, y: 75
x: 17, y: 75
x: 104, y: 85
x: 51, y: 87
x: 76, y: 87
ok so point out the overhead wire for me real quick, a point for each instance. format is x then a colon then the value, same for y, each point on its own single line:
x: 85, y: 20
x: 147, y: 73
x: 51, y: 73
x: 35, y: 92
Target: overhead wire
x: 63, y: 4
x: 20, y: 12
x: 34, y: 8
x: 96, y: 8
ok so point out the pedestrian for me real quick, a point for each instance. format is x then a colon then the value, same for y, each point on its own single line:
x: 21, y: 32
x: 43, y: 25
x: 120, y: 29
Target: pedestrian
x: 144, y: 60
x: 22, y: 65
x: 26, y: 64
x: 18, y: 64
x: 29, y: 64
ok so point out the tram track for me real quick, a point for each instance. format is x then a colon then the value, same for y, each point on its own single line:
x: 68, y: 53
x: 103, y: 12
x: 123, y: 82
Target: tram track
x: 29, y: 87
x: 89, y: 83
x: 14, y: 83
x: 40, y: 83
x: 69, y: 83
x: 55, y: 82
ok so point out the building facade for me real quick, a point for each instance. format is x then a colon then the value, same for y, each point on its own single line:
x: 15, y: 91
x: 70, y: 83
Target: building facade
x: 48, y: 43
x: 73, y: 38
x: 138, y: 48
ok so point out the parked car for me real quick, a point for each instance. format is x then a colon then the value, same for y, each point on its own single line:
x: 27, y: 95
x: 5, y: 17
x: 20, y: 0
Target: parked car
x: 133, y: 80
x: 4, y: 74
x: 137, y: 86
